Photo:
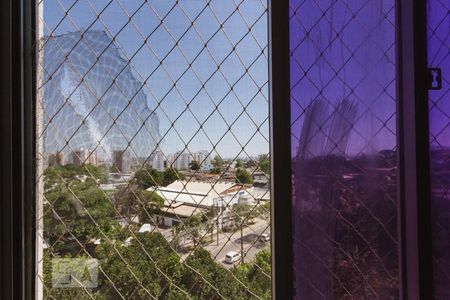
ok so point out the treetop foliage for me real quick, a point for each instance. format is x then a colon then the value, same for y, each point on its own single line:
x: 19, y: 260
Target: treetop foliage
x: 243, y: 176
x: 150, y: 268
x: 148, y: 177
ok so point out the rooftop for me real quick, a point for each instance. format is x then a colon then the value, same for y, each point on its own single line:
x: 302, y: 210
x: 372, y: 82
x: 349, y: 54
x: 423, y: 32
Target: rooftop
x: 205, y: 194
x: 198, y: 187
x: 182, y: 210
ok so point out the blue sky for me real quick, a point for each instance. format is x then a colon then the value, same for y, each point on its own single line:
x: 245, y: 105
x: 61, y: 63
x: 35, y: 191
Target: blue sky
x: 170, y: 103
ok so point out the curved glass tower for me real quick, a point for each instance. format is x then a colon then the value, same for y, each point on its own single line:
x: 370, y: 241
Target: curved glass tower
x: 93, y: 100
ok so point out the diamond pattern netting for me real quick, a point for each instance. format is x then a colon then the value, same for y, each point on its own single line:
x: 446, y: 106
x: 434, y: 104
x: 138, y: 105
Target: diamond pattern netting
x: 439, y: 115
x: 343, y: 136
x: 129, y: 95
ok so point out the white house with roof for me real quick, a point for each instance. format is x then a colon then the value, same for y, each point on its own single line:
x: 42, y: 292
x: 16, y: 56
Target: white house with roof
x: 184, y: 199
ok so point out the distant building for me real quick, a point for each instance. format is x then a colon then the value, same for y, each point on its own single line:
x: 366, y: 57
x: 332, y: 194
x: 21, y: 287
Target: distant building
x: 78, y: 157
x: 121, y: 162
x: 157, y: 161
x: 170, y: 161
x: 84, y: 156
x: 182, y: 160
x: 56, y: 159
x: 183, y: 199
x: 92, y: 159
x: 204, y: 158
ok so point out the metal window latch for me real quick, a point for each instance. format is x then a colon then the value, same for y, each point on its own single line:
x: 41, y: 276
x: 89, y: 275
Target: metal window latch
x: 435, y: 78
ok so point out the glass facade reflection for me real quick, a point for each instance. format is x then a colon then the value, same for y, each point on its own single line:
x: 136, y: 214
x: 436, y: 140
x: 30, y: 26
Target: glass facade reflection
x: 343, y: 132
x: 93, y: 100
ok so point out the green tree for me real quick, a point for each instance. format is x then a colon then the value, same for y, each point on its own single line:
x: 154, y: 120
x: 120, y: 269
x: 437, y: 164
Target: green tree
x: 170, y: 175
x: 190, y: 227
x: 217, y: 163
x: 245, y: 213
x: 250, y: 163
x: 243, y: 176
x: 238, y: 164
x: 51, y: 292
x: 147, y: 268
x: 131, y: 200
x: 264, y: 164
x: 194, y: 165
x: 264, y: 210
x: 257, y: 274
x: 205, y: 279
x: 70, y: 171
x: 75, y: 207
x: 147, y: 177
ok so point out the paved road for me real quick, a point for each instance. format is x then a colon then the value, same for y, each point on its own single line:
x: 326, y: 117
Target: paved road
x: 231, y: 241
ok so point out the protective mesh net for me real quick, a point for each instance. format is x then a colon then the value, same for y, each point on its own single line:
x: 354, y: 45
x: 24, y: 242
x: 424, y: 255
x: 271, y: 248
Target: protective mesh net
x: 343, y: 136
x: 439, y: 113
x: 153, y: 173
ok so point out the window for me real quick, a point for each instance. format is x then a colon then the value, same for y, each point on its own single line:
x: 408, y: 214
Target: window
x: 344, y: 149
x: 153, y: 140
x: 138, y: 164
x: 439, y: 108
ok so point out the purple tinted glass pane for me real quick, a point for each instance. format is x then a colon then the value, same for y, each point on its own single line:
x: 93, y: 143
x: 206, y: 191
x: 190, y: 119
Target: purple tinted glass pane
x: 439, y: 103
x: 343, y: 132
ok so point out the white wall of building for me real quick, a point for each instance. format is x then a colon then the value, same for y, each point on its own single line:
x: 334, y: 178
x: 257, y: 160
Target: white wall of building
x: 170, y: 160
x: 205, y: 159
x: 182, y: 160
x: 158, y: 161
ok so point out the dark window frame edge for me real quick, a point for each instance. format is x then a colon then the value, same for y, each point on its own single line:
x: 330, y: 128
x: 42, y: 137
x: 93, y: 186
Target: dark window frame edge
x: 18, y: 151
x: 413, y: 154
x: 280, y: 150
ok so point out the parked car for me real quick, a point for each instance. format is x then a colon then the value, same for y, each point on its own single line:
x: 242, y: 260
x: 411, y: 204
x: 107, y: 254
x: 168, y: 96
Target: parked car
x: 265, y: 237
x: 232, y: 257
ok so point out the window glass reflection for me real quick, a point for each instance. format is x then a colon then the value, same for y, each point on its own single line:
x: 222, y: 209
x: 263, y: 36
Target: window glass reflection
x: 343, y: 135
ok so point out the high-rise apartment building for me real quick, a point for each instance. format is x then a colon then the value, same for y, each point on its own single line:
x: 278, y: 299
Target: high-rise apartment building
x: 182, y: 160
x: 157, y: 161
x: 92, y: 158
x: 56, y: 159
x: 170, y: 160
x: 121, y: 162
x: 204, y: 158
x: 84, y: 156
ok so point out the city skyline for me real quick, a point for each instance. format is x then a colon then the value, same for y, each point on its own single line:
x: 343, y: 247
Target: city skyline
x: 81, y: 155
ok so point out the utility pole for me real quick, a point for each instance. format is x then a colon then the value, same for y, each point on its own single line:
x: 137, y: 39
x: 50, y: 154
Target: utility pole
x: 219, y: 212
x: 242, y: 241
x: 217, y: 238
